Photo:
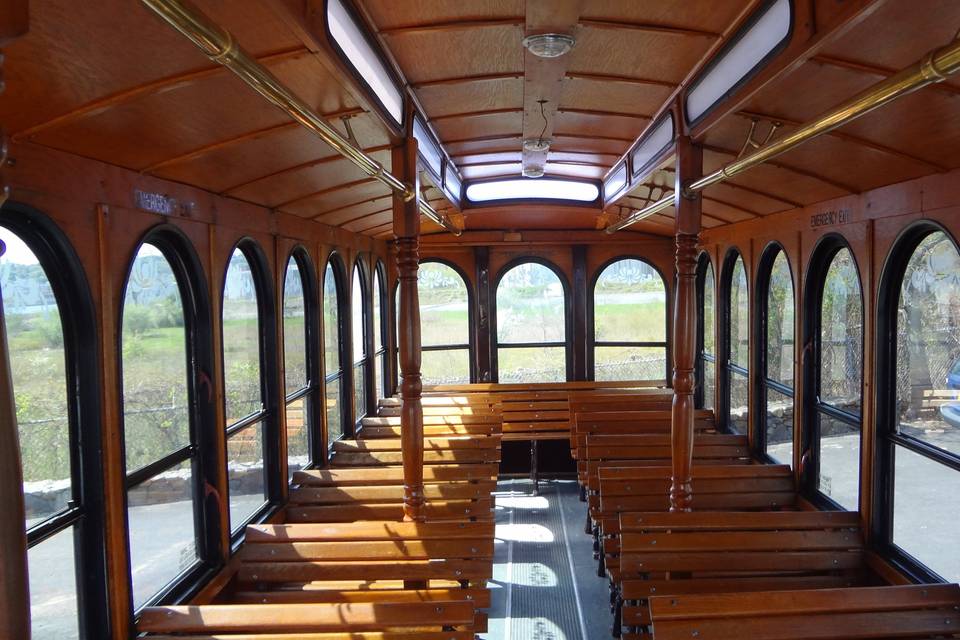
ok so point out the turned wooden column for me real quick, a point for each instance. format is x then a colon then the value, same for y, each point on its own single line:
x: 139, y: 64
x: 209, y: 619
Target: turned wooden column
x: 687, y: 230
x: 14, y: 583
x: 406, y: 230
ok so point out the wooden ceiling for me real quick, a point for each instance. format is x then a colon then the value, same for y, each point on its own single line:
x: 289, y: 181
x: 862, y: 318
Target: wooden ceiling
x: 107, y: 80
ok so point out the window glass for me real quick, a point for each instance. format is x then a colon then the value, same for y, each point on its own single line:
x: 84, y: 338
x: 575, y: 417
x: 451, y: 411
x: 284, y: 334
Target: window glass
x: 530, y: 305
x: 444, y: 307
x: 379, y: 296
x: 331, y: 321
x: 839, y: 451
x: 294, y: 329
x: 447, y: 366
x: 248, y: 482
x: 531, y: 312
x: 156, y: 413
x: 928, y: 345
x: 156, y: 560
x: 629, y: 305
x: 739, y: 403
x: 709, y: 390
x: 739, y: 316
x: 358, y: 303
x: 926, y: 502
x: 331, y: 356
x: 841, y: 335
x: 53, y: 588
x: 780, y: 323
x: 779, y: 426
x: 241, y: 340
x: 709, y: 313
x: 356, y: 317
x: 38, y: 367
x: 298, y: 436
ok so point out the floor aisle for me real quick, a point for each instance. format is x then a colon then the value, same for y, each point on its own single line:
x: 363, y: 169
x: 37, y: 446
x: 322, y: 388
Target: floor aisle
x: 545, y: 585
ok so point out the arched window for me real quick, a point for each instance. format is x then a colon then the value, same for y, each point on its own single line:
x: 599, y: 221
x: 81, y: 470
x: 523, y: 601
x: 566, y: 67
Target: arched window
x: 444, y: 324
x: 776, y: 317
x: 531, y: 325
x: 301, y: 382
x: 167, y: 416
x: 54, y: 364
x: 332, y: 349
x: 833, y: 375
x: 358, y: 324
x: 629, y: 322
x: 246, y: 336
x: 706, y: 336
x: 736, y: 308
x: 380, y: 331
x: 919, y: 418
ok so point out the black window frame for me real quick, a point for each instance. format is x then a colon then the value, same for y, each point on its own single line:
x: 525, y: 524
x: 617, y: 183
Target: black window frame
x: 342, y: 375
x: 567, y: 313
x: 86, y: 511
x: 704, y: 264
x: 593, y: 343
x: 203, y: 450
x: 760, y: 326
x: 310, y: 392
x: 726, y: 369
x: 269, y: 386
x: 813, y: 408
x: 888, y: 435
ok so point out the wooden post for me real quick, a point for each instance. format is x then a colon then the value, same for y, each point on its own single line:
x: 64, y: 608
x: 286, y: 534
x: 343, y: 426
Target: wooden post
x: 14, y: 582
x: 406, y: 230
x: 687, y: 228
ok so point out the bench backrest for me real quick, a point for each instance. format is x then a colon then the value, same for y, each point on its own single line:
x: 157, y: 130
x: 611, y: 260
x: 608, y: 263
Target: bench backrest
x: 909, y: 611
x: 393, y: 475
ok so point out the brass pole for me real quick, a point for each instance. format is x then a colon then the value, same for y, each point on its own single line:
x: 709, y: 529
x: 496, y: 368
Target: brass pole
x: 936, y: 66
x: 221, y: 47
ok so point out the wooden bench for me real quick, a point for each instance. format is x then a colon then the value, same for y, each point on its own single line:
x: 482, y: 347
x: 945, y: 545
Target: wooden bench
x: 697, y: 552
x: 910, y: 611
x: 628, y: 423
x: 625, y: 490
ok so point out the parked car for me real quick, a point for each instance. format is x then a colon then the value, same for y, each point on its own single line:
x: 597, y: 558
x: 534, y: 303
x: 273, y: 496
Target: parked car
x: 951, y: 410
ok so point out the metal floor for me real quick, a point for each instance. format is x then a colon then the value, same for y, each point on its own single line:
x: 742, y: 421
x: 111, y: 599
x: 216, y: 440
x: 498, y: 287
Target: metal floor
x: 544, y: 584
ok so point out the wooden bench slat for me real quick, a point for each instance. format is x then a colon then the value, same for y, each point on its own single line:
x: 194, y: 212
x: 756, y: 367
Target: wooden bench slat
x: 366, y: 550
x: 393, y: 475
x: 301, y: 617
x: 437, y: 510
x: 480, y: 597
x: 389, y: 493
x: 368, y: 531
x: 706, y: 521
x: 307, y: 571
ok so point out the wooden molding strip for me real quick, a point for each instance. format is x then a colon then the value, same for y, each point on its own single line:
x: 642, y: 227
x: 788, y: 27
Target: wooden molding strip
x: 453, y: 25
x: 483, y: 77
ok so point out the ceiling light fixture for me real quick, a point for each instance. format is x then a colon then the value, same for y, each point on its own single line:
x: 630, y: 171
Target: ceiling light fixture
x: 533, y: 171
x: 549, y: 45
x: 537, y: 145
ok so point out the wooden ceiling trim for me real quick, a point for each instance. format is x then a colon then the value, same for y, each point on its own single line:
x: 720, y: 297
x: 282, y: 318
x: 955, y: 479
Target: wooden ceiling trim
x: 163, y: 84
x: 786, y: 167
x: 483, y: 77
x: 345, y: 207
x: 453, y: 25
x: 738, y: 207
x: 618, y: 79
x: 570, y: 152
x: 878, y: 71
x: 852, y: 139
x: 602, y: 113
x: 357, y: 226
x: 494, y: 137
x: 643, y: 202
x: 649, y: 27
x: 476, y: 114
x: 580, y: 136
x: 355, y: 219
x: 299, y: 167
x: 251, y: 135
x: 750, y: 190
x: 321, y: 192
x: 574, y: 163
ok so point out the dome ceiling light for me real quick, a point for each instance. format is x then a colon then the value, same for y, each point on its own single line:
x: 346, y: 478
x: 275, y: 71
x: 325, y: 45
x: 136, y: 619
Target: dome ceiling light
x: 533, y: 171
x: 549, y: 45
x: 537, y: 145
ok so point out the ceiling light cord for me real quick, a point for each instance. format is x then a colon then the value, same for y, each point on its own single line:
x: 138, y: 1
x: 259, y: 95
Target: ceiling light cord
x: 543, y: 115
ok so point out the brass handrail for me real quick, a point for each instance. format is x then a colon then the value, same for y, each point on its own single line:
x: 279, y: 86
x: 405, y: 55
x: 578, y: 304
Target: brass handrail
x: 221, y: 47
x: 936, y: 66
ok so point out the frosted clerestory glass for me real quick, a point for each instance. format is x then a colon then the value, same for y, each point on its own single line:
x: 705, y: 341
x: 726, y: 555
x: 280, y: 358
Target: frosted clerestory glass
x: 652, y: 144
x: 365, y: 61
x: 753, y: 44
x: 521, y: 188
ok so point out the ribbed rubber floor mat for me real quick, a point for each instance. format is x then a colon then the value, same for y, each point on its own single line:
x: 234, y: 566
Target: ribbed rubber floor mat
x: 534, y: 597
